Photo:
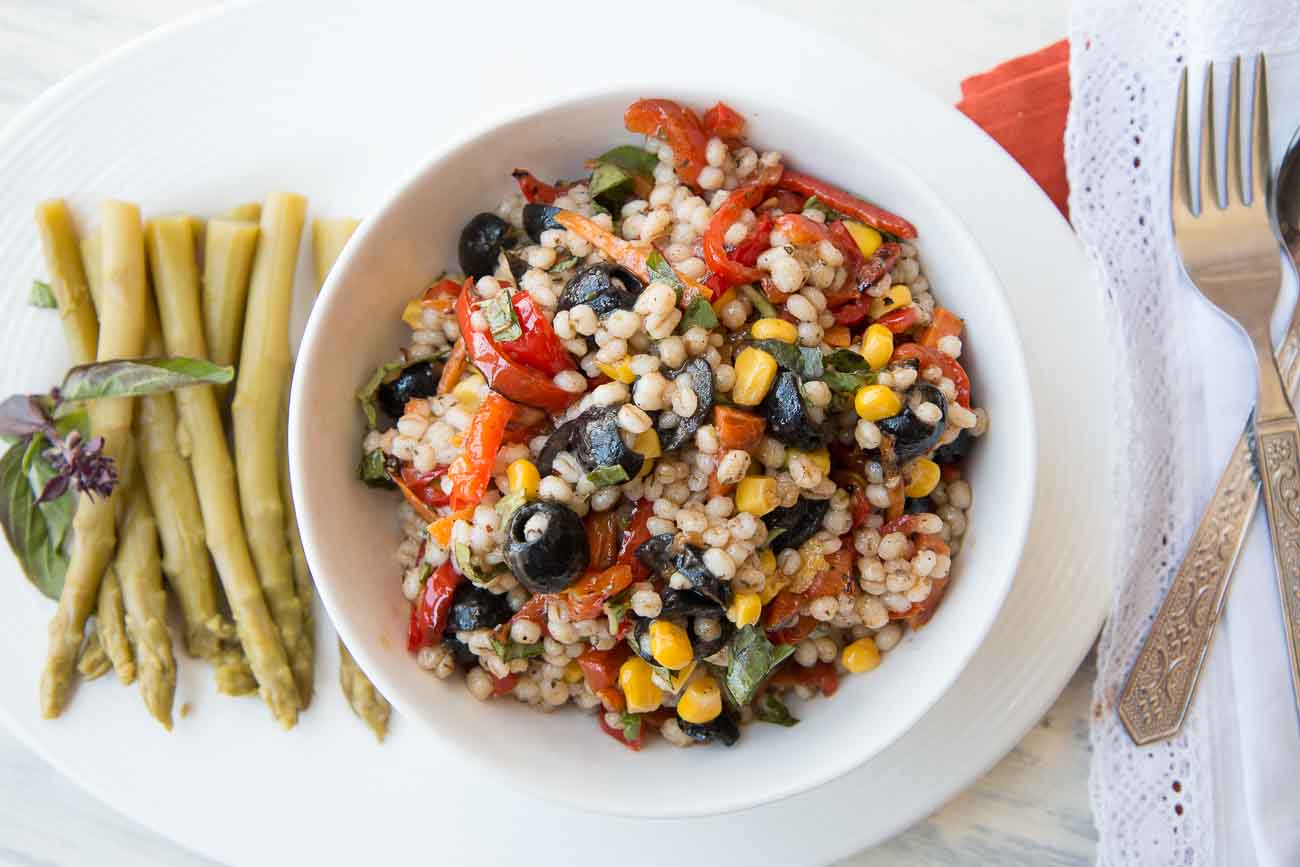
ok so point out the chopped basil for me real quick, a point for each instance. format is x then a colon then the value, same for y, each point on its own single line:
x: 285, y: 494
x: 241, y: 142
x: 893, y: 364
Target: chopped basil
x: 500, y: 314
x: 816, y: 204
x: 847, y: 371
x: 760, y: 302
x: 698, y: 313
x: 374, y: 469
x: 846, y: 382
x: 631, y: 159
x: 753, y: 658
x: 848, y: 361
x: 507, y: 505
x: 603, y: 477
x: 804, y: 361
x: 610, y: 181
x: 770, y: 709
x: 631, y: 726
x: 616, y: 609
x: 772, y: 535
x: 140, y: 376
x: 512, y: 650
x: 564, y: 265
x: 41, y: 295
x: 663, y: 272
x: 367, y: 393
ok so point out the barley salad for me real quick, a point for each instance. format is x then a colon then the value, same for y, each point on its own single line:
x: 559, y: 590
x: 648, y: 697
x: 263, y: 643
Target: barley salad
x: 682, y: 441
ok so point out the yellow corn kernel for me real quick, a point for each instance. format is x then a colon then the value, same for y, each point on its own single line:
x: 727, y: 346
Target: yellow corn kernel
x: 701, y: 702
x: 867, y: 238
x: 523, y: 478
x: 745, y: 608
x: 874, y: 402
x: 573, y: 672
x: 723, y: 300
x: 639, y: 690
x: 821, y: 458
x: 670, y: 645
x: 895, y: 297
x: 413, y: 315
x: 647, y: 443
x: 755, y: 370
x: 922, y: 476
x: 767, y: 561
x: 757, y: 495
x: 775, y: 329
x: 862, y: 655
x: 878, y: 346
x: 621, y: 372
x: 773, y: 585
x: 469, y: 392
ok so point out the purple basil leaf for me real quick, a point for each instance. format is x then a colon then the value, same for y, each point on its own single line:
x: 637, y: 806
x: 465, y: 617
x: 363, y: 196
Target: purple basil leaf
x: 22, y: 415
x: 56, y: 487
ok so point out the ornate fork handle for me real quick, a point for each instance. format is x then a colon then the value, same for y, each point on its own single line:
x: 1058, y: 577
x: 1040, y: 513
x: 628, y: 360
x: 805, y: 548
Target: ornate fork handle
x: 1163, y: 680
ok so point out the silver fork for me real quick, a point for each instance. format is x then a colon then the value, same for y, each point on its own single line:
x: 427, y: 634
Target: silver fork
x: 1232, y: 256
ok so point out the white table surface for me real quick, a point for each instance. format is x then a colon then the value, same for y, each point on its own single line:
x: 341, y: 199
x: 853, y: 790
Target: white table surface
x: 1032, y: 809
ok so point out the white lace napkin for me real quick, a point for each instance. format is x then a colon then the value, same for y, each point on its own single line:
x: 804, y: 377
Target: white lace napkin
x: 1223, y: 791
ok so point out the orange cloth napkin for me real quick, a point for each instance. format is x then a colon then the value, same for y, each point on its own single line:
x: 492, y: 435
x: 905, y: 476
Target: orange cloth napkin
x: 1022, y: 104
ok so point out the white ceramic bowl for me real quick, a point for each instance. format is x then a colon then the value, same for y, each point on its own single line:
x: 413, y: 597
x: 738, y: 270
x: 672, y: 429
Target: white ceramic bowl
x: 350, y: 532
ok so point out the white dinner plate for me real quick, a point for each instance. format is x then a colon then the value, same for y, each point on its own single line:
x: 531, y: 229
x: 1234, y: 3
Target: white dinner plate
x: 340, y: 102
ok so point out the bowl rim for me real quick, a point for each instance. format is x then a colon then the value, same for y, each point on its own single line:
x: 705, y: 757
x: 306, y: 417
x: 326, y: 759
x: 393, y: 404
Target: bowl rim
x: 1014, y: 535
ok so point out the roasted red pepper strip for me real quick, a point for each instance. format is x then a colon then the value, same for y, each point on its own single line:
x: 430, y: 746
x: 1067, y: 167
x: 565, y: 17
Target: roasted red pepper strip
x: 795, y: 633
x: 600, y: 667
x: 738, y: 429
x: 746, y: 196
x: 822, y: 676
x: 429, y: 615
x: 636, y: 534
x: 471, y: 472
x: 634, y: 256
x: 427, y: 487
x: 847, y: 204
x: 943, y: 323
x: 949, y: 365
x: 782, y: 611
x: 802, y: 230
x: 533, y: 610
x: 669, y: 120
x: 724, y: 122
x: 853, y: 312
x: 502, y: 685
x: 905, y: 524
x: 844, y: 242
x: 533, y: 189
x: 587, y: 597
x: 900, y: 320
x: 617, y: 734
x: 859, y: 507
x: 537, y: 346
x: 515, y: 381
x: 421, y: 507
x: 865, y: 273
x: 836, y: 578
x: 758, y: 240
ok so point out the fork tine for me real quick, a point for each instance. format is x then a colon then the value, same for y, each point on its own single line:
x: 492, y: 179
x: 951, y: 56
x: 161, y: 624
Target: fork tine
x: 1181, y: 204
x: 1209, y: 174
x: 1259, y: 147
x: 1232, y: 160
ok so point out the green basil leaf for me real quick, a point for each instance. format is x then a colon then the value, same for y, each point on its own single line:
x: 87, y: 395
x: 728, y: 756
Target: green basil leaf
x: 383, y: 373
x: 607, y: 178
x: 846, y: 382
x: 631, y: 159
x: 760, y: 302
x: 663, y: 272
x: 603, y: 477
x: 816, y: 204
x: 770, y: 709
x: 803, y: 361
x: 57, y: 512
x: 510, y: 651
x: 563, y: 265
x: 131, y: 378
x: 699, y: 313
x: 631, y: 726
x: 772, y: 535
x: 501, y: 318
x: 753, y: 658
x: 616, y: 608
x: 374, y: 469
x: 41, y: 295
x: 465, y: 562
x: 25, y: 526
x: 848, y: 361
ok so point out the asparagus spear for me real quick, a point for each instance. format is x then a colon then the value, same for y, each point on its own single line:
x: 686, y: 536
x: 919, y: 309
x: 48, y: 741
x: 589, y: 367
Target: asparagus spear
x: 93, y: 662
x: 110, y: 626
x: 259, y: 394
x: 177, y: 291
x: 305, y: 662
x: 227, y: 262
x: 137, y: 566
x: 233, y: 676
x: 68, y: 279
x: 329, y: 235
x: 363, y: 698
x: 121, y: 336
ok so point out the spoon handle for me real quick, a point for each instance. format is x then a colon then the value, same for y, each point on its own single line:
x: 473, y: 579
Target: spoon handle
x: 1279, y: 458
